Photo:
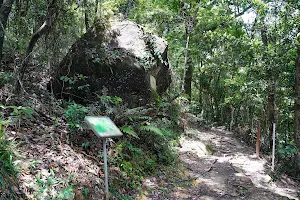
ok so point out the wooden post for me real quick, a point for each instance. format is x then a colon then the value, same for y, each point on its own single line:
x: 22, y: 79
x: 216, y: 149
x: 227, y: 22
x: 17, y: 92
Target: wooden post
x: 258, y: 139
x: 273, y: 149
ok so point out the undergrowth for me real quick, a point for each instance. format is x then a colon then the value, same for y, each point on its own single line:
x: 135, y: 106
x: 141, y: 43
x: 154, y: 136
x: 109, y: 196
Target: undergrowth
x: 8, y: 169
x: 150, y: 135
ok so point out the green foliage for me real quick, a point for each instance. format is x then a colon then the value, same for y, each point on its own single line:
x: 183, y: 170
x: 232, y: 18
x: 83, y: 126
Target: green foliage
x: 107, y: 102
x: 148, y: 140
x: 8, y: 171
x: 287, y: 152
x: 45, y: 187
x: 18, y: 114
x: 75, y: 115
x: 152, y: 129
x: 107, y: 105
x: 85, y: 144
x: 233, y: 70
x: 85, y: 192
x: 5, y: 77
x: 21, y: 112
x: 128, y: 130
x: 76, y: 82
x: 286, y: 159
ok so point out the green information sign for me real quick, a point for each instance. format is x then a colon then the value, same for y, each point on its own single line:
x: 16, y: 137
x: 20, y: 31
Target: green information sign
x: 103, y: 126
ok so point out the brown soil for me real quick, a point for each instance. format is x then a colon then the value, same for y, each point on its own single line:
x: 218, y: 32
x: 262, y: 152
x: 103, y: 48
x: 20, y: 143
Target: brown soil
x: 216, y: 165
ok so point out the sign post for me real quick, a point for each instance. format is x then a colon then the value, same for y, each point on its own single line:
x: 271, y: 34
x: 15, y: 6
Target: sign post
x: 273, y: 147
x: 258, y: 139
x: 104, y: 128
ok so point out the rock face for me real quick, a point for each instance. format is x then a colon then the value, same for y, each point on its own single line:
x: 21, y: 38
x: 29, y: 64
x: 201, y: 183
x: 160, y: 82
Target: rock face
x: 119, y: 59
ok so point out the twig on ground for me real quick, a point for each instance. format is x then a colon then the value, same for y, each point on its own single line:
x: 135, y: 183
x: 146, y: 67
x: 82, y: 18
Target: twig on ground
x: 211, y: 166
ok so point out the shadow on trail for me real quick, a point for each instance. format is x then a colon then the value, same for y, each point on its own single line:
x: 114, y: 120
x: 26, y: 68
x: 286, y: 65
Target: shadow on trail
x: 221, y: 167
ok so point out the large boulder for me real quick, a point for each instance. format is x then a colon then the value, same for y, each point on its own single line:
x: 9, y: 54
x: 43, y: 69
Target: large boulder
x: 118, y: 59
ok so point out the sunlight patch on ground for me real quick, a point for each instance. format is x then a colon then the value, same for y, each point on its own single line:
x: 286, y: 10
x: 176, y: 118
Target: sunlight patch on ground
x: 232, y: 172
x: 181, y: 193
x: 196, y: 147
x: 255, y: 170
x: 248, y: 168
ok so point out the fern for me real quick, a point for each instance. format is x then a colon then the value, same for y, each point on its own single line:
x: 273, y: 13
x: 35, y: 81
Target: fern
x: 129, y: 131
x: 152, y: 129
x: 137, y: 111
x: 139, y: 118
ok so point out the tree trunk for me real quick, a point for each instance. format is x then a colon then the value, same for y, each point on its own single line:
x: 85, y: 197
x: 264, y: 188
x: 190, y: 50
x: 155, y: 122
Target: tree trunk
x: 86, y: 16
x: 297, y: 108
x: 188, y: 78
x: 270, y: 89
x: 190, y: 23
x: 96, y: 7
x: 86, y: 20
x: 231, y: 117
x: 271, y: 111
x: 4, y: 12
x: 186, y: 54
x: 35, y: 37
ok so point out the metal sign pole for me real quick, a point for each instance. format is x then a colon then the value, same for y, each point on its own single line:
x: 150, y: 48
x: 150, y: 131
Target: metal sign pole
x: 105, y: 169
x: 273, y: 149
x: 104, y: 128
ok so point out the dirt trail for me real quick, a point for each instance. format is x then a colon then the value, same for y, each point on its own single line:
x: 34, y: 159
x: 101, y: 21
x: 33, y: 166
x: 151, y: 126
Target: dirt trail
x: 219, y: 166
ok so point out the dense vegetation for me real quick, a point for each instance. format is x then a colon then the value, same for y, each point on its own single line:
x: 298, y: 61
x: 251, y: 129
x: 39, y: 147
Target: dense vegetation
x: 235, y: 63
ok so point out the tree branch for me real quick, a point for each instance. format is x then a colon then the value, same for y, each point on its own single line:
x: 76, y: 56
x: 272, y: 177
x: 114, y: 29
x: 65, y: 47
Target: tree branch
x: 244, y: 11
x: 35, y: 37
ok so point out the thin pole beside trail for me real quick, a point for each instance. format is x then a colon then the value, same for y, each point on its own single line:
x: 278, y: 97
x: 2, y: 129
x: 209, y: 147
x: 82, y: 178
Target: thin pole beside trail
x: 273, y: 149
x: 258, y: 139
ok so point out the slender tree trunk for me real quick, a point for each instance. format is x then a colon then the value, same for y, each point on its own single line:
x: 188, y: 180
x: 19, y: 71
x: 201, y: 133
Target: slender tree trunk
x: 217, y: 98
x: 188, y: 78
x: 232, y: 117
x: 86, y: 20
x: 271, y: 111
x: 188, y: 68
x: 5, y: 8
x: 200, y: 90
x: 186, y: 54
x: 297, y: 108
x: 270, y: 89
x: 86, y: 16
x: 96, y: 7
x: 35, y: 37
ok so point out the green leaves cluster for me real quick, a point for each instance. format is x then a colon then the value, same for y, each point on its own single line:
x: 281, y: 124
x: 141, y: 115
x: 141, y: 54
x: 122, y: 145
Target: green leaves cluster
x: 46, y: 187
x: 8, y: 169
x: 235, y: 65
x: 75, y: 114
x: 18, y: 115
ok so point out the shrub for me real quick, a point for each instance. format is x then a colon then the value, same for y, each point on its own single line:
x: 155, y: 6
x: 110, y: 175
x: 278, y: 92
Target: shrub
x: 75, y: 116
x: 149, y: 139
x: 8, y: 171
x: 286, y: 154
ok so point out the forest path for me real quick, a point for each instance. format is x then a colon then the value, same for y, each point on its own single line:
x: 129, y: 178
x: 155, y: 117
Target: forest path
x: 218, y: 166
